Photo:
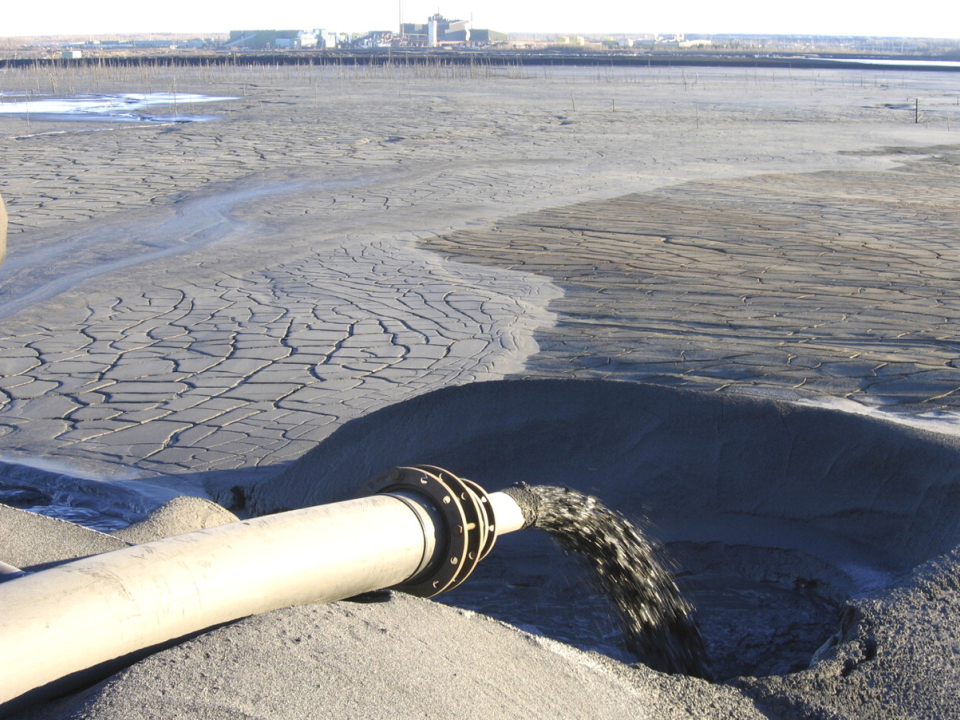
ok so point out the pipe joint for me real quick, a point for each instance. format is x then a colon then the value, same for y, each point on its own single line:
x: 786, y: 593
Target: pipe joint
x: 465, y: 534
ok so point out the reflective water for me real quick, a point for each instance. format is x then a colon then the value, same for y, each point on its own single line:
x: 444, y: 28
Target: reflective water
x: 124, y: 107
x: 99, y: 501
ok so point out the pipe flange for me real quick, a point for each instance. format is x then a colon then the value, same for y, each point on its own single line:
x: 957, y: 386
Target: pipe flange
x: 468, y: 533
x: 484, y: 526
x: 486, y: 509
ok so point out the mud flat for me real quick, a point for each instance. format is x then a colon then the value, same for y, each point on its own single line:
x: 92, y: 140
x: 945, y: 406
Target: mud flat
x: 268, y: 308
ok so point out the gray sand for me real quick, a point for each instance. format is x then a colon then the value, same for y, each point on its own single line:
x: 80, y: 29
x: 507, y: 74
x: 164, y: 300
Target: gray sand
x: 181, y: 515
x: 263, y: 279
x: 276, y: 306
x: 887, y: 650
x: 403, y: 658
x: 30, y: 540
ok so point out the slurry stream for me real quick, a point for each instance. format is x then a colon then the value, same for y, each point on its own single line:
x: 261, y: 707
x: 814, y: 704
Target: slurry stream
x: 657, y: 622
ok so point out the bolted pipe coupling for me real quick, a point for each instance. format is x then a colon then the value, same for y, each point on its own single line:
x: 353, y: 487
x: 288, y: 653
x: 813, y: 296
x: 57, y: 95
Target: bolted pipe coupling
x: 462, y: 516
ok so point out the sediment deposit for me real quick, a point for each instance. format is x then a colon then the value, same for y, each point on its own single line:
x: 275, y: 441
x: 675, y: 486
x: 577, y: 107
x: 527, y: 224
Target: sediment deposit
x: 353, y: 268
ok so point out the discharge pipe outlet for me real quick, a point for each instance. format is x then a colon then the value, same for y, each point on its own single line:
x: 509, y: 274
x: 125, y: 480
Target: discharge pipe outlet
x: 423, y: 531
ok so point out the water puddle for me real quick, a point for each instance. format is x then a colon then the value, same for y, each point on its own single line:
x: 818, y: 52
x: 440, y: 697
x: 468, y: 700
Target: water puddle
x: 96, y: 501
x: 124, y: 107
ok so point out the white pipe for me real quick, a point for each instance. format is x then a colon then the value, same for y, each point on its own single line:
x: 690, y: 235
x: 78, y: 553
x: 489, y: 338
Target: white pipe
x: 8, y: 572
x: 509, y: 517
x: 60, y: 624
x: 76, y: 616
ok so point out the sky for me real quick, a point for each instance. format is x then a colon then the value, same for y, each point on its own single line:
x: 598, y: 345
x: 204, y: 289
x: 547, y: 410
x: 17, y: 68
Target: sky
x: 885, y: 18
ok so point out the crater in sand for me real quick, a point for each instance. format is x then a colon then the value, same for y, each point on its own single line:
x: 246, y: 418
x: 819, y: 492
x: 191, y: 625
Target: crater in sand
x: 762, y: 611
x: 774, y: 514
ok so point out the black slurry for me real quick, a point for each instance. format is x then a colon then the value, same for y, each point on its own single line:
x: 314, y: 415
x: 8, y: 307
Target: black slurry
x: 657, y: 623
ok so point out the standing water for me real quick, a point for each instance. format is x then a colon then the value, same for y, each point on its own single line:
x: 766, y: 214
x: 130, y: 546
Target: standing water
x: 656, y: 621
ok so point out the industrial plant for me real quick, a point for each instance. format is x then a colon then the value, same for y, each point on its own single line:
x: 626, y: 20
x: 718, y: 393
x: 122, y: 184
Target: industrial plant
x: 438, y: 31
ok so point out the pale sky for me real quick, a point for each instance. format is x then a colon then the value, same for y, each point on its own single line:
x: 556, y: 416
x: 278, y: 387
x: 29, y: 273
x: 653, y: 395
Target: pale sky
x: 917, y: 18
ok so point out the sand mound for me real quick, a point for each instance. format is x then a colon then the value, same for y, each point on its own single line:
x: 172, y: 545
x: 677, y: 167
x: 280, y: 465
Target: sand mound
x: 801, y: 533
x: 180, y: 515
x: 701, y: 466
x: 402, y: 658
x: 820, y: 548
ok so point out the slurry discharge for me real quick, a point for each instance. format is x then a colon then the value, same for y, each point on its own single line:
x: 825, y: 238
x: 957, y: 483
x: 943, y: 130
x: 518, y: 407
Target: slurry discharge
x: 657, y: 622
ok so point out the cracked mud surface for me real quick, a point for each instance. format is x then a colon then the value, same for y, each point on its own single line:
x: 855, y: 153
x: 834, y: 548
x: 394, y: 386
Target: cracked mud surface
x: 266, y: 361
x: 828, y: 283
x: 197, y: 307
x: 222, y: 295
x: 258, y: 280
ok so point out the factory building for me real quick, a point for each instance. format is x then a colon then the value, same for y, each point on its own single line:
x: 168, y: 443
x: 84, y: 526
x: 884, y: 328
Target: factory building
x: 440, y: 31
x: 436, y: 32
x: 280, y: 39
x: 486, y: 37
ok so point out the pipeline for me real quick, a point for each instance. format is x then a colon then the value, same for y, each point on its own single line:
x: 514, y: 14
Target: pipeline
x: 423, y: 531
